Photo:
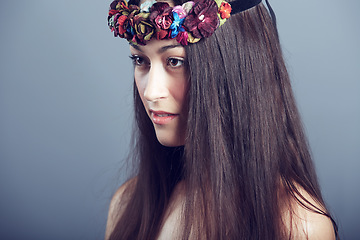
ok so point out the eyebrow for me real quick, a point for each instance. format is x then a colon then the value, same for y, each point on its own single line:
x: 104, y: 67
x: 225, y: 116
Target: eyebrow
x: 161, y: 50
x: 135, y: 46
x: 165, y: 48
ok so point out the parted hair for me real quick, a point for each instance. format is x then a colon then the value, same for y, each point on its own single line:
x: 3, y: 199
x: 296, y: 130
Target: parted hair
x: 244, y: 143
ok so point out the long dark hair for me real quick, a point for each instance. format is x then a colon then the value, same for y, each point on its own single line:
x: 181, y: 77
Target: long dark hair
x: 244, y: 143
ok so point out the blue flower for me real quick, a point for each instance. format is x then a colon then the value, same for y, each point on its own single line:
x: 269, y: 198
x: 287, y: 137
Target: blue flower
x: 130, y: 30
x: 176, y: 25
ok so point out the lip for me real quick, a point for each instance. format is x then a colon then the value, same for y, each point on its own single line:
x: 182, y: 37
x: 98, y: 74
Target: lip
x: 162, y: 117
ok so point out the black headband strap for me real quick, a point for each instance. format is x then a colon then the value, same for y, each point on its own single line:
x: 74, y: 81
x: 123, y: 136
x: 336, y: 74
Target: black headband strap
x: 242, y: 5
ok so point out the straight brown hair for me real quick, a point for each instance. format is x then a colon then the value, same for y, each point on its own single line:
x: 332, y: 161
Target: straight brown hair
x: 244, y: 142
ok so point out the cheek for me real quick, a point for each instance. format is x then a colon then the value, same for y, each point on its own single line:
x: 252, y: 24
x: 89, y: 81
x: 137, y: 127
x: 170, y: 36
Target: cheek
x: 140, y: 85
x: 179, y: 90
x: 141, y: 88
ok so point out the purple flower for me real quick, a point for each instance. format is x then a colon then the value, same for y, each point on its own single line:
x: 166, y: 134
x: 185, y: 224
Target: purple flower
x: 183, y: 10
x: 202, y: 19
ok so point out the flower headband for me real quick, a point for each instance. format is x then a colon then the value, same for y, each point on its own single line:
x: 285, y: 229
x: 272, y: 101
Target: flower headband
x: 187, y: 23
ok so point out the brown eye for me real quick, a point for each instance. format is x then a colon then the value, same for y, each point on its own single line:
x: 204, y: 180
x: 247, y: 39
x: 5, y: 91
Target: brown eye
x: 137, y: 60
x: 175, y: 62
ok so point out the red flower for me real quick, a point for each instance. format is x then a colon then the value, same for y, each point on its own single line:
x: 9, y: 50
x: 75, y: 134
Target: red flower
x: 202, y: 19
x: 225, y: 10
x: 122, y: 20
x: 112, y: 12
x: 182, y: 38
x: 161, y: 15
x: 162, y: 34
x: 164, y: 20
x: 159, y: 7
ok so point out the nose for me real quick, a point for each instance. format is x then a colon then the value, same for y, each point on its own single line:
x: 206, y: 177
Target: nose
x: 156, y: 88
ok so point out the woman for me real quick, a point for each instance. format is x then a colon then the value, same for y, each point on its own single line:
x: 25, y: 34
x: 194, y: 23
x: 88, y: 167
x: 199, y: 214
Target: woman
x: 219, y: 144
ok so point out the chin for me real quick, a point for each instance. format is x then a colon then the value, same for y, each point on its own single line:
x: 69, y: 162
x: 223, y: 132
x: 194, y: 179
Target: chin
x: 170, y: 142
x: 169, y: 137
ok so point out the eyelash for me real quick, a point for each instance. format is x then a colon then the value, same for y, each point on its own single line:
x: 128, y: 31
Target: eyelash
x: 140, y: 61
x: 135, y: 60
x: 168, y: 62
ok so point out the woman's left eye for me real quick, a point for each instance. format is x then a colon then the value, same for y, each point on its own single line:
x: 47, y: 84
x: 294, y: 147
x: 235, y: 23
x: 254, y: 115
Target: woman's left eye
x: 175, y: 62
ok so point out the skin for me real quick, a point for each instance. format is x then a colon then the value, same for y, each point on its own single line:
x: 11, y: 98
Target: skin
x: 162, y: 81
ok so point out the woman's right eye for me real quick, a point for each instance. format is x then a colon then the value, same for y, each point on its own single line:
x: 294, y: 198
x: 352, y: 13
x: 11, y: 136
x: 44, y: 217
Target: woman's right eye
x: 137, y: 60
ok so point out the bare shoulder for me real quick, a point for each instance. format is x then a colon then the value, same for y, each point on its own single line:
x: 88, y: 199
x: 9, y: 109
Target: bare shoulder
x: 305, y: 223
x: 171, y: 226
x: 117, y: 204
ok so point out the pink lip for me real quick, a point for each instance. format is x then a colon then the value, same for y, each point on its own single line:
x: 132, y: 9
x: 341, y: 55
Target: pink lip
x: 161, y: 120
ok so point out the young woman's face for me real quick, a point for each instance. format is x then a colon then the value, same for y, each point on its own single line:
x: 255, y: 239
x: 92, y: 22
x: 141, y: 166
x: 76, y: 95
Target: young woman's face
x: 162, y: 80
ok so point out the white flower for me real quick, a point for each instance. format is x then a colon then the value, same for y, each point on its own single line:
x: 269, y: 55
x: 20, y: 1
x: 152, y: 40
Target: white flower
x: 145, y: 6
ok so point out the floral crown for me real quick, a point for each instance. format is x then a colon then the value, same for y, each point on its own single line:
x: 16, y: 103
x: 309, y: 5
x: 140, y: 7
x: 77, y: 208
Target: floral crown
x: 187, y: 23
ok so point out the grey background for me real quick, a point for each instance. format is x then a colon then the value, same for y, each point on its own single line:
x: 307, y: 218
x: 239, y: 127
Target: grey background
x: 65, y: 111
